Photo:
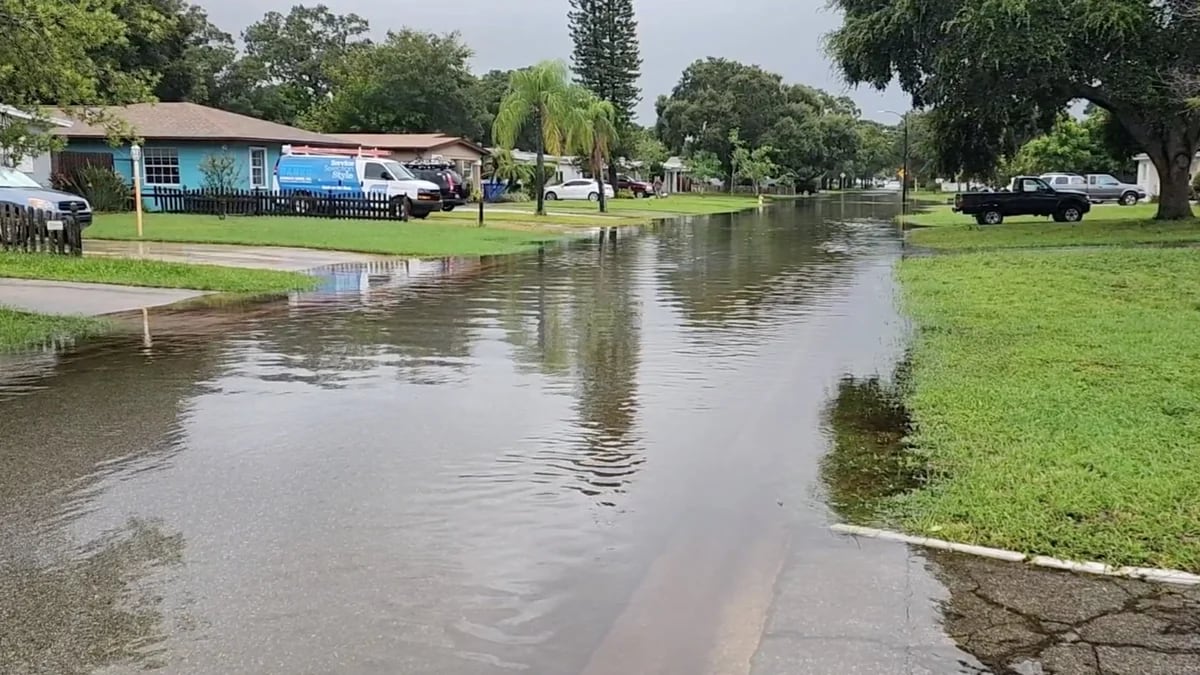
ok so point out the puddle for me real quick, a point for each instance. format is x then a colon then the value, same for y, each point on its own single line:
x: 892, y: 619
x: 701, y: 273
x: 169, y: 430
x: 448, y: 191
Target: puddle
x: 869, y: 461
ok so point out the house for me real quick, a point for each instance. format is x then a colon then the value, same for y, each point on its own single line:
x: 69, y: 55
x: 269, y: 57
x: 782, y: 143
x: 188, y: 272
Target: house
x: 467, y: 157
x: 1147, y: 173
x: 565, y: 167
x: 36, y: 167
x: 177, y: 137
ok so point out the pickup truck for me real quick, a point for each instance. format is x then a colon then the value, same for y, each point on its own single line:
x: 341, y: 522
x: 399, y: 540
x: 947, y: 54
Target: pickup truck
x: 1028, y: 196
x: 1099, y: 187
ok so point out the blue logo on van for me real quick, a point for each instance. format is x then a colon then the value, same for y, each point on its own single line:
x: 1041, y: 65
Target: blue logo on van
x: 328, y: 174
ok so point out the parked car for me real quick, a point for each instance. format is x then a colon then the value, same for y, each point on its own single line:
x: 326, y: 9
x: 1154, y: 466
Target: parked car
x: 18, y: 188
x: 311, y: 172
x: 1027, y: 196
x: 1099, y: 187
x: 580, y: 188
x: 639, y: 188
x: 455, y: 191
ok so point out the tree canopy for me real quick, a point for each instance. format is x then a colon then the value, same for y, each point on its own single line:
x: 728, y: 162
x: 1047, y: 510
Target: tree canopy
x: 996, y: 73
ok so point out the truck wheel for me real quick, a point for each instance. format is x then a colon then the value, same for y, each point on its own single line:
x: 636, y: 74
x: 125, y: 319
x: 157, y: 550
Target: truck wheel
x: 1069, y: 214
x: 401, y: 208
x: 302, y: 203
x: 1129, y: 199
x: 991, y: 217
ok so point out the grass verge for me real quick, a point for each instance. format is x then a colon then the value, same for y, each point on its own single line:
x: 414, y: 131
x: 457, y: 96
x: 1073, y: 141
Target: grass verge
x: 434, y: 238
x: 150, y: 273
x: 1106, y: 225
x: 1054, y: 397
x: 23, y: 329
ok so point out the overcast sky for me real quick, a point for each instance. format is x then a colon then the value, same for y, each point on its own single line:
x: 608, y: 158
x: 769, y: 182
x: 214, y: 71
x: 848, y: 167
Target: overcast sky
x: 784, y: 36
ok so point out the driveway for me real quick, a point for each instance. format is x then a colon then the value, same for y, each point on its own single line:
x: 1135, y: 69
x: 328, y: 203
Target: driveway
x: 60, y: 297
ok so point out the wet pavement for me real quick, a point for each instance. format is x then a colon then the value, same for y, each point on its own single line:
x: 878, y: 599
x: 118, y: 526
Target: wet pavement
x: 256, y: 257
x: 602, y: 459
x: 63, y: 297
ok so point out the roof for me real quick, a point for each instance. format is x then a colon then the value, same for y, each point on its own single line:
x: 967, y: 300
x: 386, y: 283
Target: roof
x: 10, y: 111
x: 423, y: 142
x: 194, y: 122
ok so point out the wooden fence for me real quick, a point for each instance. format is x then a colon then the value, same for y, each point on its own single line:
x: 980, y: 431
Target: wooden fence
x: 32, y: 231
x: 360, y: 206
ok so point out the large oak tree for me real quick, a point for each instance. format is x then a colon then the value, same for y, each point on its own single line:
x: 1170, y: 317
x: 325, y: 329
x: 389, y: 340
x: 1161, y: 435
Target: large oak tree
x: 992, y: 70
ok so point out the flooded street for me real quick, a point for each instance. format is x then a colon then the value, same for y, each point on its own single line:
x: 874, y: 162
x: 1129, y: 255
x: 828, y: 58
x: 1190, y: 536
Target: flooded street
x: 604, y: 459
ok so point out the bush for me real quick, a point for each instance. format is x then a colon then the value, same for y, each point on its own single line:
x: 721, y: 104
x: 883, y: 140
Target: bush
x: 1196, y: 186
x: 625, y: 194
x: 104, y: 188
x: 514, y: 196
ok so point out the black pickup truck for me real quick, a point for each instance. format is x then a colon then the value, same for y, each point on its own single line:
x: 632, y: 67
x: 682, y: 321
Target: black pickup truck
x: 1029, y: 196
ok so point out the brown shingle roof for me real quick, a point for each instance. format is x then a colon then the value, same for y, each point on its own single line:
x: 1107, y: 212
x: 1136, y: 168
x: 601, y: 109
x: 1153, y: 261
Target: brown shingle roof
x: 191, y: 121
x: 407, y: 141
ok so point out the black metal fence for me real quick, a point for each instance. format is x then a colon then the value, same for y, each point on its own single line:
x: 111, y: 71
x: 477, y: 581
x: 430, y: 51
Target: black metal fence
x: 361, y: 206
x: 31, y: 230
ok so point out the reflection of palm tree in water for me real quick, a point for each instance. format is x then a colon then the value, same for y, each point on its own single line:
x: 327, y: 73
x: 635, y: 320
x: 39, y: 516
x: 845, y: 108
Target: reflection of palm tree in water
x: 74, y: 618
x: 607, y: 330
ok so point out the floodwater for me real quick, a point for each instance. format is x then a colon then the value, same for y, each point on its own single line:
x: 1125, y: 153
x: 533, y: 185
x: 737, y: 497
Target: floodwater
x: 603, y: 459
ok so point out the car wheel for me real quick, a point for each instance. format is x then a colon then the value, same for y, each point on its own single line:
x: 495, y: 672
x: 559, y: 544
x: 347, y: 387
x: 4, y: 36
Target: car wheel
x: 1129, y: 199
x: 302, y: 203
x: 1071, y: 214
x: 401, y: 208
x: 593, y: 196
x: 448, y: 207
x: 992, y: 217
x: 421, y: 216
x: 551, y: 197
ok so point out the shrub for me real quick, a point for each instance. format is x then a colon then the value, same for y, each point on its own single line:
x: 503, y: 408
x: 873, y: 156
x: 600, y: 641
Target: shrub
x: 102, y: 187
x: 625, y: 194
x: 514, y: 196
x: 1196, y: 186
x: 221, y: 171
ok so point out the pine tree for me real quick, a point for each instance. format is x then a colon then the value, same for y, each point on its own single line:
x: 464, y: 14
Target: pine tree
x: 607, y: 58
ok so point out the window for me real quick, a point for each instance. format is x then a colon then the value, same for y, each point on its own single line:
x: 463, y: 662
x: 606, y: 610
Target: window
x: 1060, y: 180
x: 161, y: 166
x: 374, y: 171
x: 258, y: 167
x: 1107, y: 180
x: 579, y: 183
x: 1077, y: 180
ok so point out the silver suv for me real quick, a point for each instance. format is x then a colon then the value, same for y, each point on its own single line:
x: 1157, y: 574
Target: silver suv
x: 20, y: 189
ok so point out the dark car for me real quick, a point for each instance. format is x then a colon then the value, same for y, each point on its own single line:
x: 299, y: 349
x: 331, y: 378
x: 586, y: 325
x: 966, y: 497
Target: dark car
x: 639, y: 188
x: 1029, y: 196
x: 455, y: 191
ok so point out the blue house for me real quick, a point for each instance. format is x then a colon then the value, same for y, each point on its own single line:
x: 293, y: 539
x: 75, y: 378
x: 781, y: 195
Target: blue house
x: 177, y: 137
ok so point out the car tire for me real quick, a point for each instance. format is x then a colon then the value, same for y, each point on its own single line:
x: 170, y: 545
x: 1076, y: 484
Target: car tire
x: 991, y: 217
x: 401, y: 208
x: 593, y: 196
x: 1128, y: 199
x: 1070, y: 214
x: 302, y: 203
x: 421, y: 216
x: 551, y: 197
x: 448, y: 207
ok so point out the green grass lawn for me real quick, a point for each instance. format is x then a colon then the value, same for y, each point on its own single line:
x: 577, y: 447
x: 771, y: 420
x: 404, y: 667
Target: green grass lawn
x: 150, y: 273
x: 24, y: 329
x: 436, y: 237
x: 1106, y: 225
x: 1056, y: 399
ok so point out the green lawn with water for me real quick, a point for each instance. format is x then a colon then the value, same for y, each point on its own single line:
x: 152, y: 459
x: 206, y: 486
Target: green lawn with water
x: 25, y: 329
x: 150, y: 273
x: 1055, y: 398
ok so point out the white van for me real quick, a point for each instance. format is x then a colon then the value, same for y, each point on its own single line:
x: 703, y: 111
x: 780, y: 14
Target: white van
x: 305, y: 171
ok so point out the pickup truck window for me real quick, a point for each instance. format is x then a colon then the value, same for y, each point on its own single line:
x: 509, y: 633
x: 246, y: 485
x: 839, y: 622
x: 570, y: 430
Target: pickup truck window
x: 1033, y: 185
x: 1107, y: 180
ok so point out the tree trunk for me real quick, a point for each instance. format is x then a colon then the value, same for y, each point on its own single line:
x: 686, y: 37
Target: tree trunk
x: 1174, y: 185
x: 598, y: 169
x: 540, y: 178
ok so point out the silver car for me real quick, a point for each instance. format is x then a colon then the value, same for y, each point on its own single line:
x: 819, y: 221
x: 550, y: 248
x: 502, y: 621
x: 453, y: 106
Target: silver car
x: 18, y: 188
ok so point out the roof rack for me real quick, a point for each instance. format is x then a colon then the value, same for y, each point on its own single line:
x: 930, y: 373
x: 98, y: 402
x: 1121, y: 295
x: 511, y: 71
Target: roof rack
x: 350, y: 152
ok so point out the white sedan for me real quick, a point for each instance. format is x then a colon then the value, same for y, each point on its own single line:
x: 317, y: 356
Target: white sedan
x: 580, y: 188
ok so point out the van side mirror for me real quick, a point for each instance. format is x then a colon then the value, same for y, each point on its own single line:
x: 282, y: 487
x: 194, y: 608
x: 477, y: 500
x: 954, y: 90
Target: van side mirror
x: 386, y: 176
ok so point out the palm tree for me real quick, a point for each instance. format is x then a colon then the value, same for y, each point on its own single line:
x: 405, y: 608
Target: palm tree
x: 505, y: 167
x: 541, y: 96
x: 593, y: 133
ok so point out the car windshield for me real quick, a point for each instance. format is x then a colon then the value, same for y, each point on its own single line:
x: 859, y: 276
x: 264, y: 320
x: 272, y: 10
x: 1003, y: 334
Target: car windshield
x: 15, y: 179
x: 398, y: 170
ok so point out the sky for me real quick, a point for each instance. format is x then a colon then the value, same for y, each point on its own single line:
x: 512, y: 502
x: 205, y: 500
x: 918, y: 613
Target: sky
x: 783, y: 36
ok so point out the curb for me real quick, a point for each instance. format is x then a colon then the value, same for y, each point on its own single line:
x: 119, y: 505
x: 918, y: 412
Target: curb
x: 1141, y: 573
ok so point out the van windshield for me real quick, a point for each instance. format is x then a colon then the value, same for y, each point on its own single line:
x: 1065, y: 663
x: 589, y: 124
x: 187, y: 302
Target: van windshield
x: 398, y: 171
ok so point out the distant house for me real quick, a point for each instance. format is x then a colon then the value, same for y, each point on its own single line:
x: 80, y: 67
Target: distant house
x: 464, y: 154
x: 565, y: 167
x: 35, y: 167
x: 1147, y: 173
x: 176, y: 137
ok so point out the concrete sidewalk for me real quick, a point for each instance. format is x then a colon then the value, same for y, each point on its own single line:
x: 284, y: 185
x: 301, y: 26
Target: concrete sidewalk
x: 60, y: 297
x: 228, y: 255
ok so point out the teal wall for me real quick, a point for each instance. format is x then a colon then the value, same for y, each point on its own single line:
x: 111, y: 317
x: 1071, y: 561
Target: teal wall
x: 190, y: 155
